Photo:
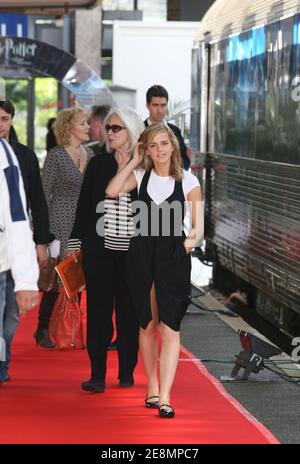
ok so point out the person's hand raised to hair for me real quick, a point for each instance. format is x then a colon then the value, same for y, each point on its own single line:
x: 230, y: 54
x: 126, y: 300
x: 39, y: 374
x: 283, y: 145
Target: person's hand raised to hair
x: 138, y: 154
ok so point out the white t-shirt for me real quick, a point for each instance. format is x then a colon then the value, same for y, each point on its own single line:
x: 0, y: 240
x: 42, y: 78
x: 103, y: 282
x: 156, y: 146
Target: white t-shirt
x: 160, y: 188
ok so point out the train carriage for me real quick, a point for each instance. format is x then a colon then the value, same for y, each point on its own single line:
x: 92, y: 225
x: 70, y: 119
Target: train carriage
x: 245, y: 132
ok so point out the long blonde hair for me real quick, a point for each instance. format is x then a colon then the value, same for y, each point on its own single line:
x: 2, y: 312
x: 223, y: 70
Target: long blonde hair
x: 147, y: 137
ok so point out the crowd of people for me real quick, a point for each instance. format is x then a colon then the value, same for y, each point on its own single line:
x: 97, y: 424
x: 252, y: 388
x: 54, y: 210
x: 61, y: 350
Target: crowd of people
x: 118, y: 189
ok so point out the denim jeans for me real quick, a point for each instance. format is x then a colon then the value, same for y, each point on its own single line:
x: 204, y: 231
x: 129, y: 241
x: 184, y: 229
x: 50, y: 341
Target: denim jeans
x: 9, y: 315
x: 2, y: 299
x: 2, y: 307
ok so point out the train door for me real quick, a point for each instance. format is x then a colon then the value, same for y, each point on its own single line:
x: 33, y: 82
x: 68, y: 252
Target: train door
x: 199, y: 140
x: 199, y: 106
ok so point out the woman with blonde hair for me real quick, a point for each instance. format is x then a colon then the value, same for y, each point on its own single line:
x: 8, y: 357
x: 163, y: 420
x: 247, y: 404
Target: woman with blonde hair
x: 62, y: 176
x: 105, y: 253
x: 158, y: 263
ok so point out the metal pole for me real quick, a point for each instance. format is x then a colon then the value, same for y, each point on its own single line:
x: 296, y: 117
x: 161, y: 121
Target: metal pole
x: 30, y: 113
x: 135, y: 5
x: 66, y: 45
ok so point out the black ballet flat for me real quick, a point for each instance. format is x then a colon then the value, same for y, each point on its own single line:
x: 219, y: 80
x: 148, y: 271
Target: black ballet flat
x: 93, y: 386
x: 166, y: 413
x: 151, y: 404
x: 126, y: 383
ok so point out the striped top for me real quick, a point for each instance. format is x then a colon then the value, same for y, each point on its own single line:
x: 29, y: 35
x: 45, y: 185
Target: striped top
x: 119, y: 226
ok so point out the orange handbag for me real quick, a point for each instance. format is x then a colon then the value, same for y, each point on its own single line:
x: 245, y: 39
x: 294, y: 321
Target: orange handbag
x: 66, y: 323
x: 71, y: 274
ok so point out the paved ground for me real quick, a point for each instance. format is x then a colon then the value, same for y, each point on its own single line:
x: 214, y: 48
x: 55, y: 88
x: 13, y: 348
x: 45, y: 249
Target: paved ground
x: 272, y: 400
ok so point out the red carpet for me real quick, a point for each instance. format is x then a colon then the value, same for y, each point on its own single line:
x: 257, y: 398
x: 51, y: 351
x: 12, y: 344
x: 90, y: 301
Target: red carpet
x: 43, y: 403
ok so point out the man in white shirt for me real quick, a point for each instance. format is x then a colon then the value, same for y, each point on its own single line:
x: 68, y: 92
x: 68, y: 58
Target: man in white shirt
x: 18, y: 261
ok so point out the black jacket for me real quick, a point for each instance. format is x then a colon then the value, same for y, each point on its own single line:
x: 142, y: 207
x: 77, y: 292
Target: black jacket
x: 100, y: 170
x: 185, y: 159
x: 98, y: 148
x: 35, y: 196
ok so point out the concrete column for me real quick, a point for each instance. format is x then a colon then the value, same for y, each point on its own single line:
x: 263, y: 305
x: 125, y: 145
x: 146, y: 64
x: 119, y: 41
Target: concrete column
x: 88, y: 37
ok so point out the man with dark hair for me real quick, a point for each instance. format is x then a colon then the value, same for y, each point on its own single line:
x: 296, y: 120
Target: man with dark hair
x: 157, y: 99
x: 37, y: 205
x: 18, y: 263
x: 97, y: 132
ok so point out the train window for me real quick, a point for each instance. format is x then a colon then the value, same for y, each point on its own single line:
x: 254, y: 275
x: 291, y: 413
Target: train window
x: 255, y: 93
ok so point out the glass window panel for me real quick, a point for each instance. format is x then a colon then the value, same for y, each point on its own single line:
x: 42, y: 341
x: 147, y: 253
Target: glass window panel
x: 195, y: 100
x: 156, y: 9
x: 255, y: 89
x: 282, y: 119
x: 117, y: 4
x: 46, y: 106
x: 152, y: 9
x: 16, y: 90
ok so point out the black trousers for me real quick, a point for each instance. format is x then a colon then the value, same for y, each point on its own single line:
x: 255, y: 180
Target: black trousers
x: 106, y: 289
x: 46, y: 309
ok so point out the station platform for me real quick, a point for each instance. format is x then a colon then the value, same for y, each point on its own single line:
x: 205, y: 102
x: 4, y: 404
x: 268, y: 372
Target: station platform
x: 212, y: 337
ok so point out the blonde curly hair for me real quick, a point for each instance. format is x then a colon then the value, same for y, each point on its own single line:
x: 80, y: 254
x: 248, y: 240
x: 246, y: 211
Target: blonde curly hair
x: 65, y: 122
x: 147, y: 137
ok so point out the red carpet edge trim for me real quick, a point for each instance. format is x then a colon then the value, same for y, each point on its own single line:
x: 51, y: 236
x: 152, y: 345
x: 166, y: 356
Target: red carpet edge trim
x: 262, y: 429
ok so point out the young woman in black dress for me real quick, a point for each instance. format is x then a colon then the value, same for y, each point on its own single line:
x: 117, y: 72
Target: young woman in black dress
x: 158, y: 261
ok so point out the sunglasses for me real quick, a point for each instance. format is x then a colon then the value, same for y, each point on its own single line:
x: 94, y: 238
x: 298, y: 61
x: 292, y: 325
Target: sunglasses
x: 115, y: 128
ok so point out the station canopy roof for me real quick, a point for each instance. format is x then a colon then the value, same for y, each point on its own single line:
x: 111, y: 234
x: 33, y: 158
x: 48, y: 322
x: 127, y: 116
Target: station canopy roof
x: 45, y: 6
x: 227, y: 17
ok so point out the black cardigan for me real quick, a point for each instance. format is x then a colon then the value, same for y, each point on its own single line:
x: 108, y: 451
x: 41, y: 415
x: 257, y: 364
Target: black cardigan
x: 35, y: 196
x: 100, y: 170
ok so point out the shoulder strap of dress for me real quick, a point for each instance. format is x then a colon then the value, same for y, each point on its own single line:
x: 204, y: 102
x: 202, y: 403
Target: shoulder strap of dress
x: 179, y: 188
x: 145, y: 180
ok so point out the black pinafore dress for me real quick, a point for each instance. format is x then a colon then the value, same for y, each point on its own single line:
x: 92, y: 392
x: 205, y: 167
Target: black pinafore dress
x: 161, y: 260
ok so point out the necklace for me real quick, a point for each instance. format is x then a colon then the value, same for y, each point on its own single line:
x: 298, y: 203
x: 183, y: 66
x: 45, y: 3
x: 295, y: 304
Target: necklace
x: 77, y: 155
x: 122, y: 159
